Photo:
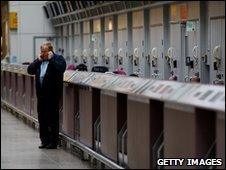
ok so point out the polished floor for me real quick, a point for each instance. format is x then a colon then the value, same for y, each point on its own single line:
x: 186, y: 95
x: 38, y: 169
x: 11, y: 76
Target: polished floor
x: 19, y: 148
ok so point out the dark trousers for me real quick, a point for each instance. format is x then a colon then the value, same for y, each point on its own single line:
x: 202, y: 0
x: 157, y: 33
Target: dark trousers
x: 48, y: 117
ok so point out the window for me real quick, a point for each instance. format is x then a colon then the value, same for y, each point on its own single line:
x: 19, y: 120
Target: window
x: 64, y: 6
x: 46, y: 12
x: 88, y: 3
x: 70, y: 6
x: 92, y: 3
x: 84, y: 4
x: 56, y: 8
x: 80, y: 4
x: 74, y: 5
x: 52, y: 10
x: 61, y: 7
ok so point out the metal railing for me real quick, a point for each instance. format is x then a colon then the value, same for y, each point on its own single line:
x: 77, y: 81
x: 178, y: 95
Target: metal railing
x: 10, y: 97
x: 77, y: 126
x: 122, y: 146
x: 4, y: 93
x: 211, y: 154
x: 61, y: 117
x: 97, y: 133
x: 157, y: 150
x: 23, y: 106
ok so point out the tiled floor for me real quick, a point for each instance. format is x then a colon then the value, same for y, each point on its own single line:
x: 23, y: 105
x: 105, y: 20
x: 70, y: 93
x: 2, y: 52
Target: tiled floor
x: 19, y: 149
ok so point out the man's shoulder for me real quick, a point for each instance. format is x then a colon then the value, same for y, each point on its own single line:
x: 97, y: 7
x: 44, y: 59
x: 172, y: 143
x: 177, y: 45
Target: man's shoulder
x: 58, y: 56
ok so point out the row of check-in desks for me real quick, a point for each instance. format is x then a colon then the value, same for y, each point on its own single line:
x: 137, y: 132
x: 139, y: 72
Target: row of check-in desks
x: 18, y: 88
x: 132, y: 121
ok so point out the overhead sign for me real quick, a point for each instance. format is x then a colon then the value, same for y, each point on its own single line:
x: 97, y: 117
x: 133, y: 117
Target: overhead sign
x: 93, y: 38
x: 13, y: 21
x: 190, y: 26
x: 183, y: 12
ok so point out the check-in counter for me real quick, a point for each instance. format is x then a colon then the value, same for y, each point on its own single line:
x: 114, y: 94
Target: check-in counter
x: 7, y: 79
x: 138, y: 122
x: 190, y: 123
x: 133, y: 121
x: 13, y: 87
x: 3, y: 84
x: 195, y: 132
x: 21, y: 90
x: 157, y: 91
x: 15, y: 84
x: 145, y: 123
x: 113, y: 116
x: 106, y: 115
x: 220, y: 138
x: 34, y: 112
x: 70, y: 105
x: 70, y: 109
x: 138, y: 137
x: 87, y: 109
x: 86, y: 116
x: 28, y: 93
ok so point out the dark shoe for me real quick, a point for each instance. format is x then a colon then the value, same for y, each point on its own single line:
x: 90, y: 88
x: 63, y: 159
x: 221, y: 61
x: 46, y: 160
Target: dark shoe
x: 51, y: 146
x: 43, y: 146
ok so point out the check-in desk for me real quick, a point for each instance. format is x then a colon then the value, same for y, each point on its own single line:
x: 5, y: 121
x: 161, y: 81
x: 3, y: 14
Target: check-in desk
x: 144, y: 123
x: 117, y: 114
x: 70, y: 105
x: 34, y: 112
x: 87, y: 109
x: 3, y: 84
x: 8, y: 90
x: 21, y: 89
x: 105, y: 140
x: 89, y: 114
x: 13, y: 100
x: 191, y: 123
x: 132, y: 121
x: 220, y: 137
x: 28, y: 91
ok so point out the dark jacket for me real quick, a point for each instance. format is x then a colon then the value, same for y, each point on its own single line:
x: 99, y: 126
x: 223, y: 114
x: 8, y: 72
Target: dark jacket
x: 52, y: 85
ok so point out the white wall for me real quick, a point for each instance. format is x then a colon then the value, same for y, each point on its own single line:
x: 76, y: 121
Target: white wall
x: 31, y: 22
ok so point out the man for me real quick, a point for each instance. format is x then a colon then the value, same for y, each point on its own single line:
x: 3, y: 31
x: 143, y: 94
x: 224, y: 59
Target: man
x: 48, y: 69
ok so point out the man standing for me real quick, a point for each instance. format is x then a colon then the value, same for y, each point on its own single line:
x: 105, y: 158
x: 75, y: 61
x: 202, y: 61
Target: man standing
x: 48, y: 69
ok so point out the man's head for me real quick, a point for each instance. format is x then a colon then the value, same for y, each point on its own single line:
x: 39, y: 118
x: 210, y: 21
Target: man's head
x: 44, y: 52
x: 49, y: 44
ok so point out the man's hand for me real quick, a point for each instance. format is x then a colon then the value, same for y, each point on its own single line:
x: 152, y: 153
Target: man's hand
x: 40, y: 57
x: 50, y: 55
